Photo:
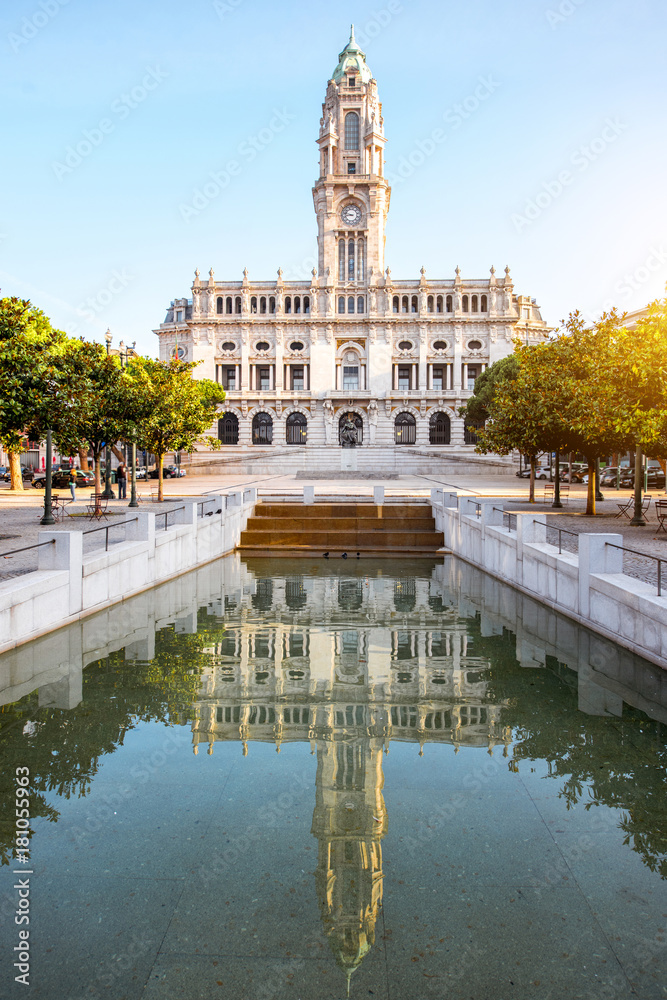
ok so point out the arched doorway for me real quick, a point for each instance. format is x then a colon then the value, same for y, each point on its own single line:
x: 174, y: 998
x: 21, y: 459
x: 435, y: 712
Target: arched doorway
x: 439, y: 428
x: 405, y: 429
x: 262, y: 429
x: 296, y: 429
x: 228, y: 429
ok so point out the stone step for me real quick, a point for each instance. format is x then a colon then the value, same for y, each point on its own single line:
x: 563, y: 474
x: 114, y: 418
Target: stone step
x: 342, y: 524
x: 352, y: 539
x: 386, y: 513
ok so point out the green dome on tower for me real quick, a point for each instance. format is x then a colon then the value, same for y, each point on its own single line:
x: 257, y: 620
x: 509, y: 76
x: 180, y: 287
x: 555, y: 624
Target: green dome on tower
x: 352, y: 61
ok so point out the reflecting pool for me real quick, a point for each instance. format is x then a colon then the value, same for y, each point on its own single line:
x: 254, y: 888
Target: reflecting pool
x: 294, y: 779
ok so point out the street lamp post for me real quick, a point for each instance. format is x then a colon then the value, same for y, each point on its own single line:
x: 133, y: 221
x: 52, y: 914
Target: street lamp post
x: 638, y: 520
x: 124, y: 355
x: 557, y: 501
x: 48, y: 517
x: 108, y: 493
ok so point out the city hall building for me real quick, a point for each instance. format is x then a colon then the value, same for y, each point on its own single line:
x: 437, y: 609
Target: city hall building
x: 354, y: 369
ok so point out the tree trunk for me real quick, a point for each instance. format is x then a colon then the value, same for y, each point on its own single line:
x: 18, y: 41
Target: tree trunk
x: 531, y: 495
x: 16, y: 478
x: 160, y: 494
x: 590, y: 496
x: 118, y: 453
x: 98, y: 474
x: 83, y: 460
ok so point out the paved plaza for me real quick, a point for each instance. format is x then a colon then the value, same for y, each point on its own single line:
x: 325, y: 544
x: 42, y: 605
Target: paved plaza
x: 20, y: 512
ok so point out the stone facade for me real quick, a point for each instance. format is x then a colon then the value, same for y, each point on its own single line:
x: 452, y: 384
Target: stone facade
x: 353, y: 346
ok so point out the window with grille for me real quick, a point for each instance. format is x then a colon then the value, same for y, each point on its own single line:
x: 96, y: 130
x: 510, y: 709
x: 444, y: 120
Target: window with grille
x: 350, y: 376
x: 352, y: 130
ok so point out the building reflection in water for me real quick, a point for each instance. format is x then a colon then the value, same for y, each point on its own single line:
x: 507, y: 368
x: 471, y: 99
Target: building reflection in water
x: 349, y: 663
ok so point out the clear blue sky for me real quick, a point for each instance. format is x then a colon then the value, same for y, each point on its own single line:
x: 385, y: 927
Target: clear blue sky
x: 169, y: 92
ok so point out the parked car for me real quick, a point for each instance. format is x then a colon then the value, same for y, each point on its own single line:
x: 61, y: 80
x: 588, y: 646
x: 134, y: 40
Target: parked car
x: 141, y: 472
x: 578, y: 473
x: 655, y: 479
x: 168, y: 472
x: 60, y: 479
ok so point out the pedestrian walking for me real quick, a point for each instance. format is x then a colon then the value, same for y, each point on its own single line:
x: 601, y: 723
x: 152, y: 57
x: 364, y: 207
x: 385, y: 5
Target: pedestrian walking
x: 121, y: 478
x: 72, y: 483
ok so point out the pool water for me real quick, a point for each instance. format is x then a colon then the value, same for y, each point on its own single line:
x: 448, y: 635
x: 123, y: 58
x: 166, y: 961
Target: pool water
x: 294, y: 779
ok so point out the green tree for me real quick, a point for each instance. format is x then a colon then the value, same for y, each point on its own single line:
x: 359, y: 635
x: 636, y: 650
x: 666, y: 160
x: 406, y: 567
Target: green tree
x: 29, y: 377
x: 93, y: 410
x: 180, y: 408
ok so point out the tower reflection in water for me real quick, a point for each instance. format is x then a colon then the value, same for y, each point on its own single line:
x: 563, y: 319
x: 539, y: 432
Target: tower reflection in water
x: 348, y: 664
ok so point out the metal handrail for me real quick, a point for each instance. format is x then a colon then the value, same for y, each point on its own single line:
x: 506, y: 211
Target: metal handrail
x: 509, y: 515
x: 561, y: 532
x: 645, y: 555
x: 165, y: 514
x: 25, y: 548
x: 106, y: 527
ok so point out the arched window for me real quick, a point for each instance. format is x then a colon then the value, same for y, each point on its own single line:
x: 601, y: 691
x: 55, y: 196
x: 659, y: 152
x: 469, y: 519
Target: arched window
x: 404, y: 304
x: 218, y: 306
x: 350, y: 260
x: 253, y: 304
x: 360, y: 261
x: 465, y: 304
x: 405, y: 429
x: 429, y: 304
x: 341, y: 260
x: 360, y: 304
x: 395, y: 305
x: 439, y: 429
x: 297, y: 303
x: 262, y: 429
x: 272, y: 305
x: 350, y: 304
x: 306, y: 304
x: 296, y: 429
x: 469, y: 436
x: 288, y: 303
x: 237, y: 305
x: 485, y: 304
x: 449, y: 303
x: 262, y: 304
x: 415, y: 305
x: 228, y: 305
x: 438, y: 304
x: 341, y: 304
x: 352, y: 130
x: 474, y: 304
x: 228, y: 429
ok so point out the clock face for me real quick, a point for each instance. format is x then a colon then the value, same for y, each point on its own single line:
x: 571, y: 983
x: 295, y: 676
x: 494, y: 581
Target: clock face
x: 351, y: 215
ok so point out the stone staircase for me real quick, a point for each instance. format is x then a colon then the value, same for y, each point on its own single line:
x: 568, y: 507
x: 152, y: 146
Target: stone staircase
x: 314, y: 529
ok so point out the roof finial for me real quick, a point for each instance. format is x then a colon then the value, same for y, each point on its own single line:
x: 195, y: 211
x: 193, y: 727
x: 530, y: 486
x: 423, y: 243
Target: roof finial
x: 352, y: 39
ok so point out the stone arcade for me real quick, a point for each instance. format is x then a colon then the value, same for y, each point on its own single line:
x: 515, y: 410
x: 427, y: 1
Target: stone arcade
x: 354, y: 369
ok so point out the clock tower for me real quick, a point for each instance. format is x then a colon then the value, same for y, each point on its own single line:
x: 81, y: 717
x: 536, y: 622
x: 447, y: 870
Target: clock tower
x: 351, y: 195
